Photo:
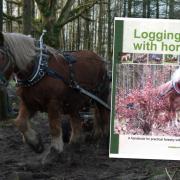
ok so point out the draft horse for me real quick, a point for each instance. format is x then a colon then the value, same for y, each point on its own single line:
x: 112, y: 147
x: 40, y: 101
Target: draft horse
x: 51, y: 87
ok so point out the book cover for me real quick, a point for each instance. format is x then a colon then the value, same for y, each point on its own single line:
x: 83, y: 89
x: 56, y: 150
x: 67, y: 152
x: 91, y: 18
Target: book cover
x: 145, y: 117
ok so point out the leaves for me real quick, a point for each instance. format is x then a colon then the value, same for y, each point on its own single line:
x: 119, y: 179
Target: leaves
x: 142, y: 108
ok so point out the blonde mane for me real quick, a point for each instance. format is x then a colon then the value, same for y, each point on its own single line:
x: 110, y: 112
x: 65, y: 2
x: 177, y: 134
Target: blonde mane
x: 22, y: 49
x: 176, y: 75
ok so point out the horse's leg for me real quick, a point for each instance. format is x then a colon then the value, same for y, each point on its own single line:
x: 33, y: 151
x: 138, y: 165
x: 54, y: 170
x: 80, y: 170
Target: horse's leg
x: 75, y: 128
x: 55, y: 126
x: 98, y: 123
x: 53, y: 154
x: 29, y: 135
x: 102, y: 121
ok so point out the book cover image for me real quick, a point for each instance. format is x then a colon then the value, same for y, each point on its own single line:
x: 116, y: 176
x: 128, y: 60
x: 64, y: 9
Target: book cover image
x: 145, y: 117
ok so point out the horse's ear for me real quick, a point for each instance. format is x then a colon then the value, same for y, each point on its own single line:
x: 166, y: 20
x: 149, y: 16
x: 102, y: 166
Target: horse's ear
x: 1, y: 39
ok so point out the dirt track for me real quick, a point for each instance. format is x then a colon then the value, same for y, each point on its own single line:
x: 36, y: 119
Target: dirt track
x: 89, y: 162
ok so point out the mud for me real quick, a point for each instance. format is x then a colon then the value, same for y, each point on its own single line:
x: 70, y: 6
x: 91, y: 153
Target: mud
x: 89, y: 161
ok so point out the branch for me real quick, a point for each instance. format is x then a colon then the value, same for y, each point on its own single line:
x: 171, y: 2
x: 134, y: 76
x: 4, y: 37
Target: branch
x: 65, y: 12
x: 87, y: 18
x: 47, y: 8
x: 12, y: 18
x: 19, y: 3
x: 75, y: 13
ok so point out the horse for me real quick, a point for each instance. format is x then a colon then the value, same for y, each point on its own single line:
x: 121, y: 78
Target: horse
x: 54, y: 91
x: 125, y: 57
x: 151, y: 106
x: 169, y: 91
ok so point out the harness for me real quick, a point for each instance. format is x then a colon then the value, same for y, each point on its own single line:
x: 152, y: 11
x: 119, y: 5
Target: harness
x: 41, y: 69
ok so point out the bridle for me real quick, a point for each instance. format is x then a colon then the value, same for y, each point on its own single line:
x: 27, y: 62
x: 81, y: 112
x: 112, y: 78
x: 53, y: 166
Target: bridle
x: 4, y: 51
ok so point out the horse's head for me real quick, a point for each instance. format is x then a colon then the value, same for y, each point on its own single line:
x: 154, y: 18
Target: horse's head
x: 5, y: 63
x: 176, y: 80
x: 17, y: 51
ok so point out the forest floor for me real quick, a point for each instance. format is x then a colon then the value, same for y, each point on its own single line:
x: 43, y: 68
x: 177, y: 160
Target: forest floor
x: 89, y: 162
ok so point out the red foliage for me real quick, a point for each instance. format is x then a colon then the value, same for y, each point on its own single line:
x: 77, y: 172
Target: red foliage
x: 142, y: 108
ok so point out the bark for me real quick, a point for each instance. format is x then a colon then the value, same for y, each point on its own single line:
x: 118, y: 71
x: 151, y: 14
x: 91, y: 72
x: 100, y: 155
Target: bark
x: 148, y: 8
x: 87, y: 36
x: 129, y: 8
x: 171, y: 9
x: 1, y: 15
x: 124, y: 7
x: 54, y: 25
x: 109, y: 52
x: 157, y: 9
x: 9, y: 21
x: 27, y: 16
x: 144, y: 8
x: 100, y: 21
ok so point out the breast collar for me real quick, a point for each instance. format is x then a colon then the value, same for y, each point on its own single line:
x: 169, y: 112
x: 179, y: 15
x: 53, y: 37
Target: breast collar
x: 39, y: 71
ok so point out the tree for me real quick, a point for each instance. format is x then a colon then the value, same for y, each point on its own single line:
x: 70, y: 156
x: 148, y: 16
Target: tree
x: 1, y: 15
x: 129, y: 8
x: 49, y: 10
x: 109, y: 50
x: 157, y: 9
x: 171, y: 9
x: 27, y: 16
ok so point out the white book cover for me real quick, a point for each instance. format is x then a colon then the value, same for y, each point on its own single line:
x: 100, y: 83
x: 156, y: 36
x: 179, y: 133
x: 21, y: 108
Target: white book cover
x: 145, y: 116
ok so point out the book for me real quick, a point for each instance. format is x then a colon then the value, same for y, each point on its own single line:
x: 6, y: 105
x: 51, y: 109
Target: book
x: 145, y: 106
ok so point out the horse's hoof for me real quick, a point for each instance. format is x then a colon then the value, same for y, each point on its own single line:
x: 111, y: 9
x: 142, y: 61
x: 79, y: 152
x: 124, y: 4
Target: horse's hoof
x: 38, y: 148
x: 52, y: 156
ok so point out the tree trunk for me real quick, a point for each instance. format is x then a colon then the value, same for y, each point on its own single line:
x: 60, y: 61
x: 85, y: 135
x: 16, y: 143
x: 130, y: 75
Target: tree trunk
x: 157, y: 9
x: 87, y: 38
x: 27, y: 16
x: 100, y: 21
x: 124, y: 8
x: 9, y: 13
x: 148, y: 8
x: 129, y: 8
x: 171, y: 9
x: 144, y: 8
x: 1, y: 15
x: 109, y: 54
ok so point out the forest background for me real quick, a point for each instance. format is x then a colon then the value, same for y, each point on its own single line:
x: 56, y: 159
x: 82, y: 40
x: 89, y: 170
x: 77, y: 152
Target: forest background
x: 79, y: 24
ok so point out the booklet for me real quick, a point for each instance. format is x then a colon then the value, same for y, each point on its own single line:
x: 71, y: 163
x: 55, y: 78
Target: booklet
x: 145, y: 115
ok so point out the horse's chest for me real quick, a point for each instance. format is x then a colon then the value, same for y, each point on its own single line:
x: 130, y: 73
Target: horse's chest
x: 36, y: 101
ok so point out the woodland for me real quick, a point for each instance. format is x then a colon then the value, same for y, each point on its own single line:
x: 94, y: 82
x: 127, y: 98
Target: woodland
x: 75, y: 25
x: 79, y: 24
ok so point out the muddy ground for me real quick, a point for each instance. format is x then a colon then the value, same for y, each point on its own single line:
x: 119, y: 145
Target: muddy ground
x: 89, y: 162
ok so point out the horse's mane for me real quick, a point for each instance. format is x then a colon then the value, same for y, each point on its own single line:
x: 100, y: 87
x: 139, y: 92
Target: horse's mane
x: 22, y: 49
x: 176, y: 75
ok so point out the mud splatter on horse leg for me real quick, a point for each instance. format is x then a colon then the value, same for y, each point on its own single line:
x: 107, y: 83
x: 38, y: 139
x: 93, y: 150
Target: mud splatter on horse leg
x: 29, y: 135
